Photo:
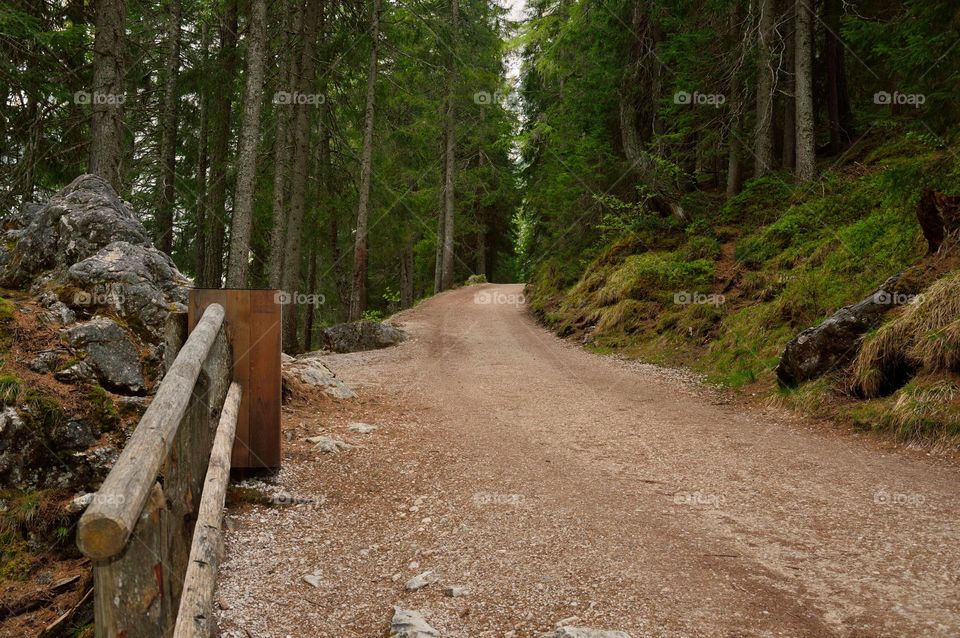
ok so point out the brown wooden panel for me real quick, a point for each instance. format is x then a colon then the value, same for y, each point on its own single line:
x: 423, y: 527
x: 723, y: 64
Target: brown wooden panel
x: 238, y: 327
x: 265, y: 382
x: 253, y: 326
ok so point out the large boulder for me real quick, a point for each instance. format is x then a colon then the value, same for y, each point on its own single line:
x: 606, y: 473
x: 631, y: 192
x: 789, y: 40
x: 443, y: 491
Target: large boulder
x: 85, y: 252
x: 138, y: 283
x: 110, y: 353
x: 95, y: 276
x: 361, y: 335
x: 75, y: 223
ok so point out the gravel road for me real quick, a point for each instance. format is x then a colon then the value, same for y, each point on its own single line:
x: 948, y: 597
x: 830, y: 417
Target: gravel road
x: 551, y: 483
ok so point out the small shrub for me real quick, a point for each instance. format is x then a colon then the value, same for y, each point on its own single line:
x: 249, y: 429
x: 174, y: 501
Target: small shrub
x: 473, y: 280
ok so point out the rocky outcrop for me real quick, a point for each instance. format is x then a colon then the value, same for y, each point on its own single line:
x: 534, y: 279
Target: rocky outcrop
x: 74, y: 224
x: 93, y: 275
x: 84, y: 253
x: 361, y: 335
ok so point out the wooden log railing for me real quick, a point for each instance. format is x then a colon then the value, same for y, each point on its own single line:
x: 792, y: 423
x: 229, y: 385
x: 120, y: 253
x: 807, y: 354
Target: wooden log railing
x: 153, y: 529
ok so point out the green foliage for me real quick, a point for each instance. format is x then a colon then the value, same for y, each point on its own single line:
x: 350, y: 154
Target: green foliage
x: 11, y: 390
x: 101, y: 408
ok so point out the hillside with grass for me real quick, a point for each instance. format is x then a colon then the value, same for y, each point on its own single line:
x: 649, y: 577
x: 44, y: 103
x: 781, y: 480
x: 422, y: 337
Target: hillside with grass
x: 725, y: 290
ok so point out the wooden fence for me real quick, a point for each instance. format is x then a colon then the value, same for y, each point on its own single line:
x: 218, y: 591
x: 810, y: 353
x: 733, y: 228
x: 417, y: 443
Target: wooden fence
x: 154, y: 529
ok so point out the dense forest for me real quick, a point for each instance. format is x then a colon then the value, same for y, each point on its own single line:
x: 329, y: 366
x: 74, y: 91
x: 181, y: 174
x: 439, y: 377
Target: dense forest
x: 760, y: 198
x: 317, y: 147
x: 765, y: 155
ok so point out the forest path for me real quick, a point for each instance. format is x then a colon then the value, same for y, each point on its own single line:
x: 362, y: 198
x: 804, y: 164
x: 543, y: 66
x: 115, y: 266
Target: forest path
x: 550, y: 482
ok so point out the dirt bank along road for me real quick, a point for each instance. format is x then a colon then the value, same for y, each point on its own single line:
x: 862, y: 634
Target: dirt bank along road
x: 550, y: 482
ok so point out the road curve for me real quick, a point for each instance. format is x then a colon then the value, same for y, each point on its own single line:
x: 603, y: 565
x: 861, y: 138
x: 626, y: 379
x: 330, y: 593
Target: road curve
x: 551, y: 483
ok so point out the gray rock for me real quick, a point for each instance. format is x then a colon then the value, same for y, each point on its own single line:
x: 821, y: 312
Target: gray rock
x: 46, y: 362
x: 313, y: 580
x: 454, y: 592
x: 362, y: 428
x: 27, y: 461
x: 308, y: 369
x: 111, y: 353
x: 833, y: 343
x: 137, y: 283
x: 80, y: 372
x: 583, y: 632
x: 75, y: 223
x: 361, y: 335
x: 73, y: 435
x: 408, y: 623
x: 80, y: 502
x: 420, y: 581
x: 328, y: 445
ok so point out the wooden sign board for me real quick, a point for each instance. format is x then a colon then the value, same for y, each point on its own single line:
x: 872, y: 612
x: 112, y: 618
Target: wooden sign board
x: 252, y: 321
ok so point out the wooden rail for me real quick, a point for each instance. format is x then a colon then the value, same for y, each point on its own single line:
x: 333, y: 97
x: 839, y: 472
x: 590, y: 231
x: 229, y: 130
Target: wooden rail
x: 150, y: 567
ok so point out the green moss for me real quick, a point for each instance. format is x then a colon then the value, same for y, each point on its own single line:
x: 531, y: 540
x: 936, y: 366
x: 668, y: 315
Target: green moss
x: 7, y: 310
x: 101, y: 408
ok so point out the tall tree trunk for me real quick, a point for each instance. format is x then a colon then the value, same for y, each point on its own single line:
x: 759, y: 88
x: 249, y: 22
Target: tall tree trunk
x: 200, y: 238
x: 789, y: 145
x: 766, y: 82
x: 838, y: 100
x: 450, y: 155
x: 311, y: 309
x: 219, y: 150
x: 734, y: 146
x: 168, y: 128
x: 406, y: 274
x: 298, y: 184
x: 284, y: 116
x: 358, y: 292
x: 438, y: 261
x: 247, y: 156
x: 806, y: 143
x: 107, y: 93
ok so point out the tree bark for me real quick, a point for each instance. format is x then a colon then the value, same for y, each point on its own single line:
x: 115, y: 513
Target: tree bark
x: 358, y: 292
x: 806, y: 143
x: 283, y: 116
x: 450, y: 158
x: 789, y: 144
x: 766, y: 82
x: 406, y: 274
x: 200, y: 237
x: 247, y: 156
x: 107, y: 93
x: 311, y: 309
x: 168, y: 130
x: 838, y: 100
x: 219, y: 150
x: 298, y: 184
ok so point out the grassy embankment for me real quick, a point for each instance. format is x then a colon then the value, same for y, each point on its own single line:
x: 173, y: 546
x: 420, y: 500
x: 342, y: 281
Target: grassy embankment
x: 770, y: 262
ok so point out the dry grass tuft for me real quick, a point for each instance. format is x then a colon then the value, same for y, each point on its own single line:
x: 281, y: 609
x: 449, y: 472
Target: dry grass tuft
x: 924, y: 335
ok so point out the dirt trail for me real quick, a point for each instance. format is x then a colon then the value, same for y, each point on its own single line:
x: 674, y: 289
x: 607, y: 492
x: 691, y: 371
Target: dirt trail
x: 551, y: 482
